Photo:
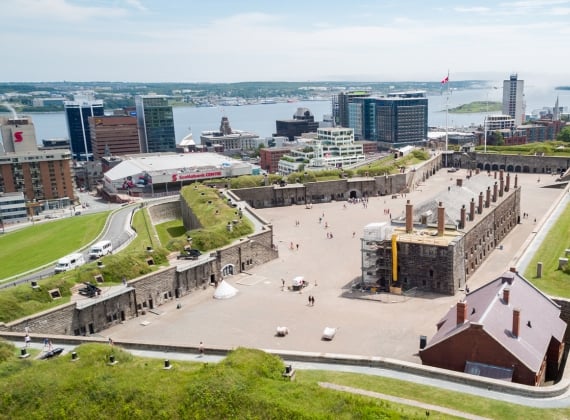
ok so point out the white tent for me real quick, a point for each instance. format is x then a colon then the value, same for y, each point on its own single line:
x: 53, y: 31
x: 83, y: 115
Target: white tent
x: 225, y: 291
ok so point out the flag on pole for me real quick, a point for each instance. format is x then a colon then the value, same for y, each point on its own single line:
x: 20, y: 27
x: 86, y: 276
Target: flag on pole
x: 445, y: 80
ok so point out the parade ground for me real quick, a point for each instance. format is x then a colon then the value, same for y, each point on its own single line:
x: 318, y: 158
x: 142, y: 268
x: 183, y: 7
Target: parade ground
x: 369, y: 325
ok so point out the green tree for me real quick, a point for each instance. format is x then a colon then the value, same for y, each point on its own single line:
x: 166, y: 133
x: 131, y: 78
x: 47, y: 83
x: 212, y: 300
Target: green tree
x: 564, y: 135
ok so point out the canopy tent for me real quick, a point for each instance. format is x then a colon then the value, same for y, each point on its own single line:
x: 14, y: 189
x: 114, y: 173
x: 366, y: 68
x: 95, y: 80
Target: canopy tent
x: 298, y: 281
x: 225, y: 291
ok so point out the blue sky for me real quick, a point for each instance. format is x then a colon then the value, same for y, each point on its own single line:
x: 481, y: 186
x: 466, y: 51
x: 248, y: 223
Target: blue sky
x: 292, y: 40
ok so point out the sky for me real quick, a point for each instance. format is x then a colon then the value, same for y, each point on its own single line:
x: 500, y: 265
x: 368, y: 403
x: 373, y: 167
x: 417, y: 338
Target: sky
x: 292, y: 40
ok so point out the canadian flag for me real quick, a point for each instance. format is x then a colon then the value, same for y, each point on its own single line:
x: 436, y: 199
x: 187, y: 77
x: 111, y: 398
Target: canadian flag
x: 445, y: 80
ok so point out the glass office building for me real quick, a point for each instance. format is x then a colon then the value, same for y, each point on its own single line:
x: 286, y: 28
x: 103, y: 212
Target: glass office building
x: 155, y: 123
x: 77, y: 113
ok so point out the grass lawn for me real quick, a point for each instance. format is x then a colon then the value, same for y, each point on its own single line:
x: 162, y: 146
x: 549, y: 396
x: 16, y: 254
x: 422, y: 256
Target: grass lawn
x: 554, y: 282
x: 42, y: 243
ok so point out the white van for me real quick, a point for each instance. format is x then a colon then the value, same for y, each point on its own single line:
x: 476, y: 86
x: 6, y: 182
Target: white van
x: 69, y: 262
x: 100, y: 249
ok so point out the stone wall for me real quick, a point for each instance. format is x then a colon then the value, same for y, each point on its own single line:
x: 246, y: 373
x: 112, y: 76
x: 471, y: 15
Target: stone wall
x: 511, y: 163
x: 164, y: 212
x: 92, y: 315
x: 322, y: 192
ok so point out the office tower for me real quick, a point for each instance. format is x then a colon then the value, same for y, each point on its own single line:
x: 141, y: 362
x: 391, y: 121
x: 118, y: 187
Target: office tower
x: 340, y: 105
x: 513, y: 98
x: 114, y: 135
x: 155, y: 124
x: 395, y: 120
x: 303, y: 122
x: 77, y: 113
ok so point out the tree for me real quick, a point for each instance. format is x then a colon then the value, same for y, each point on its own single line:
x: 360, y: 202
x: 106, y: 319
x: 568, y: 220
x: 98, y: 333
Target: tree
x: 564, y: 135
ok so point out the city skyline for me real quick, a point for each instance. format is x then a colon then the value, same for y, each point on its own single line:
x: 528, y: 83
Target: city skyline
x: 226, y: 41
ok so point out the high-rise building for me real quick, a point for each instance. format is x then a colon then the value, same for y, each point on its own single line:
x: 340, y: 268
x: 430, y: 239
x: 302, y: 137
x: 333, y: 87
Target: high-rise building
x: 77, y: 113
x: 340, y: 105
x: 114, y: 135
x: 513, y: 98
x: 398, y: 119
x: 155, y: 124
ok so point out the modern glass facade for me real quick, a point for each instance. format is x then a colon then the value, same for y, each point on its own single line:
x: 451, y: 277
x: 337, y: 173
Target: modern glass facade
x: 156, y: 124
x: 77, y: 114
x: 397, y: 120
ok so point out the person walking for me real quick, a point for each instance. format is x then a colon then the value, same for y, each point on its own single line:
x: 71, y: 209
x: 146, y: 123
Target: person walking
x: 27, y: 340
x: 201, y: 348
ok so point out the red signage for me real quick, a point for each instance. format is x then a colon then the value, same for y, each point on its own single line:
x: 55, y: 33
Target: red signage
x: 18, y: 137
x: 196, y: 175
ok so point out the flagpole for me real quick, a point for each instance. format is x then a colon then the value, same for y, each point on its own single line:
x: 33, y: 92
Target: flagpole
x: 446, y: 116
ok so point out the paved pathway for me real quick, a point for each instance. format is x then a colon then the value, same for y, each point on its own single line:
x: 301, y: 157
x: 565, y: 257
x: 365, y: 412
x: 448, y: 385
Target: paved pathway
x: 428, y: 407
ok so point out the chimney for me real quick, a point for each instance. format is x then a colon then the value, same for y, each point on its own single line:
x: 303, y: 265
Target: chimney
x: 409, y: 217
x: 516, y: 322
x: 506, y: 295
x: 480, y: 209
x: 462, y: 217
x: 461, y: 312
x: 495, y: 192
x: 516, y: 181
x: 459, y: 182
x: 488, y: 198
x: 513, y: 269
x: 440, y: 219
x: 501, y: 187
x: 472, y: 210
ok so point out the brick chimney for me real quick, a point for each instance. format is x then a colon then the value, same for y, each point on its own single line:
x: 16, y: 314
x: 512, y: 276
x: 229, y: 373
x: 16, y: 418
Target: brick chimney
x: 516, y: 181
x: 472, y: 210
x: 501, y: 186
x: 462, y: 217
x: 506, y: 295
x: 459, y: 182
x: 495, y: 192
x: 516, y: 322
x: 440, y: 219
x: 409, y: 217
x: 488, y: 198
x: 513, y: 269
x: 508, y: 186
x: 480, y: 209
x: 461, y: 312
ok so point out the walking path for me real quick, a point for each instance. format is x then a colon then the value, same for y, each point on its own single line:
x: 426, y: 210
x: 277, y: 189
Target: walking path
x: 398, y: 400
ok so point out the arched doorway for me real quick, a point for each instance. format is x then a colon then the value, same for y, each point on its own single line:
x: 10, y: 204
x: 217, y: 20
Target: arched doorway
x: 228, y: 270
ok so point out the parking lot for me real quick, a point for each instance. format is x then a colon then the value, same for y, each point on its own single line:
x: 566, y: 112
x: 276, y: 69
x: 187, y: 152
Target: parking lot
x: 322, y: 244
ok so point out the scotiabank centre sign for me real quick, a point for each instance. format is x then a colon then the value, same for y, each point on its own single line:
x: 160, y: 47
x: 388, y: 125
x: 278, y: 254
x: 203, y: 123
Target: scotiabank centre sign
x: 195, y: 175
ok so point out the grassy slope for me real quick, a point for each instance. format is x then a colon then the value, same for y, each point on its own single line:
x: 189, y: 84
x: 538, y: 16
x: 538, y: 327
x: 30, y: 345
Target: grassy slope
x: 554, y: 282
x: 247, y: 384
x: 42, y: 243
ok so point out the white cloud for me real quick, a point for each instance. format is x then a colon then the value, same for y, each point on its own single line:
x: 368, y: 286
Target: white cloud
x: 57, y: 10
x: 472, y: 9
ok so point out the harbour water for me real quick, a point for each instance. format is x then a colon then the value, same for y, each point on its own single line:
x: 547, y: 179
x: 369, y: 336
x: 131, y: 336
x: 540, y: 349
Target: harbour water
x: 260, y: 118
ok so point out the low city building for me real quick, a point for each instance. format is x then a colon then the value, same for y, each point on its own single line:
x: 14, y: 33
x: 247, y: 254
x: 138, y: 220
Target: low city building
x: 151, y: 174
x: 507, y: 330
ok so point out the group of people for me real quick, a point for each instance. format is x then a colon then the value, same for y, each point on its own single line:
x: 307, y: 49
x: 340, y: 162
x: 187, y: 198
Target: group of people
x: 311, y: 300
